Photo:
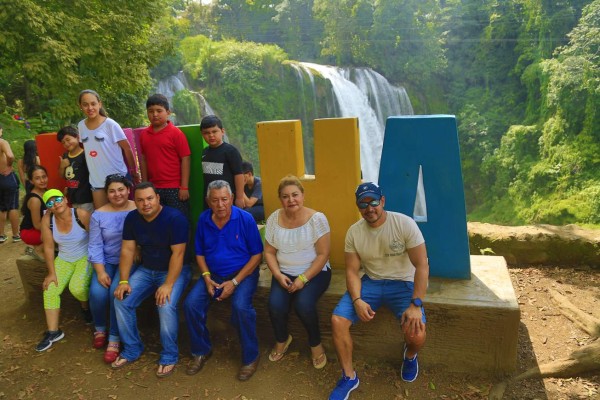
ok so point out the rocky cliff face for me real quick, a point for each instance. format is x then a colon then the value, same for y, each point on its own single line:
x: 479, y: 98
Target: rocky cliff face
x: 537, y: 244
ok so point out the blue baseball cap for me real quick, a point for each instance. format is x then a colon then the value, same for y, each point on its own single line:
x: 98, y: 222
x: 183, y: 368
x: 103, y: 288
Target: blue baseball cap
x: 368, y: 189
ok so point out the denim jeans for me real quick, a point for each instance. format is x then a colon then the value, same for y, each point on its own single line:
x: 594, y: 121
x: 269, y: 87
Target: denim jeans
x: 144, y: 283
x: 243, y: 316
x: 102, y: 300
x: 305, y: 305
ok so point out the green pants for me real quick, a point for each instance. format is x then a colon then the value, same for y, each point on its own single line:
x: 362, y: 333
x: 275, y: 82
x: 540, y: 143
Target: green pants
x: 77, y: 275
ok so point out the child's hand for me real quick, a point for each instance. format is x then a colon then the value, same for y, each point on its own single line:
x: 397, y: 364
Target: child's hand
x: 64, y: 162
x: 184, y: 194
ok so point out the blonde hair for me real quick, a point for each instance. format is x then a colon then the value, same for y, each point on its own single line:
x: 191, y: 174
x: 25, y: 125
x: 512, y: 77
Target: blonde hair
x: 289, y: 180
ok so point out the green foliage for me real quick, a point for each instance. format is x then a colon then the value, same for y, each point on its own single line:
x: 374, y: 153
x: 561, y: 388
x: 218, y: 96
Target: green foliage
x: 51, y: 50
x: 186, y: 108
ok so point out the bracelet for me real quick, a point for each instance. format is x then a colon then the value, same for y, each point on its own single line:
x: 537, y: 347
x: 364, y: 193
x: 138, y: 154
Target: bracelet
x: 206, y: 273
x: 235, y: 282
x: 122, y: 282
x: 354, y: 301
x: 183, y: 188
x: 303, y: 278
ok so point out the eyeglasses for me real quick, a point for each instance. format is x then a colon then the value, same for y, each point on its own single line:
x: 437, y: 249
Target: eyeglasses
x: 372, y: 203
x: 51, y: 203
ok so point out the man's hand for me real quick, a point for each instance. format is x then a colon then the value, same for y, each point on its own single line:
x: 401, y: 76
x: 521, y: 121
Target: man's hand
x: 228, y: 289
x: 363, y: 310
x: 163, y: 294
x: 48, y: 280
x: 121, y: 290
x: 412, y: 322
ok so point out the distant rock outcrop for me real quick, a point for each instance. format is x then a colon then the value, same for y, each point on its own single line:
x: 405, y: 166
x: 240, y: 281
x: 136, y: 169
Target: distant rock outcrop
x: 537, y: 244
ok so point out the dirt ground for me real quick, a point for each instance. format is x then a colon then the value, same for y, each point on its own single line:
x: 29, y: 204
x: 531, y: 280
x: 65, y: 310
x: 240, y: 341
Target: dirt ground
x: 72, y: 369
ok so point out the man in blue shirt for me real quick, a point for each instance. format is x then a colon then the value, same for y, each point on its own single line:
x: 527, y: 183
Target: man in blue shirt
x: 162, y: 234
x: 228, y: 250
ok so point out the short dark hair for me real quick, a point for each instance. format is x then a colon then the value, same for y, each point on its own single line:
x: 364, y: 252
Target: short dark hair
x: 247, y: 167
x: 209, y: 121
x: 120, y: 178
x: 158, y: 99
x: 67, y: 130
x: 145, y: 185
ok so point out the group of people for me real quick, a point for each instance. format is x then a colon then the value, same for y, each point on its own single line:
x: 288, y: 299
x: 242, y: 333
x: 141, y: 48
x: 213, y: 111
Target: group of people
x: 114, y: 252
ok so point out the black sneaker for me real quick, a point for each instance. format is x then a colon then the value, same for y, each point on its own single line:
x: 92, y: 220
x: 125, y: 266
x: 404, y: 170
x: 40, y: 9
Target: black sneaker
x: 49, y: 338
x: 87, y: 316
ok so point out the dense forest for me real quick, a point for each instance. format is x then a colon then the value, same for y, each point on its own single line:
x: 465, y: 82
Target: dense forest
x: 522, y: 77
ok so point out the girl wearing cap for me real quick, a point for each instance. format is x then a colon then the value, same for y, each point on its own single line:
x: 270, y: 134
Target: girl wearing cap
x: 106, y: 234
x: 67, y: 227
x: 297, y: 242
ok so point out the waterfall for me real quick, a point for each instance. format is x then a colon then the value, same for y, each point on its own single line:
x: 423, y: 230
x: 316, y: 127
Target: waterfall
x: 173, y: 84
x: 363, y: 93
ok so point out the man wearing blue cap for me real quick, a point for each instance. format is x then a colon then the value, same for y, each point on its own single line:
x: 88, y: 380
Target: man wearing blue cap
x: 390, y: 248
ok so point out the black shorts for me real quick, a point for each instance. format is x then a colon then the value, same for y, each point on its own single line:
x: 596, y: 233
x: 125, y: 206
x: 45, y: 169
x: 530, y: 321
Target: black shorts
x: 9, y: 192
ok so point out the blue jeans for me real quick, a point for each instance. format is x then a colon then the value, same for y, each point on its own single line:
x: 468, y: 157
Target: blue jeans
x: 144, y: 283
x: 305, y: 305
x: 243, y: 316
x: 102, y: 300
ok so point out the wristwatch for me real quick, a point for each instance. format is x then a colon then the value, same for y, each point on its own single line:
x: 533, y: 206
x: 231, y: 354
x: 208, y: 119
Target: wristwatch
x: 417, y: 302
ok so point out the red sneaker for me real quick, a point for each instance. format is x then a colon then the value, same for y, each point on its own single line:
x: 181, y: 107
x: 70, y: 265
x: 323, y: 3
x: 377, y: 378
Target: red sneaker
x: 99, y: 340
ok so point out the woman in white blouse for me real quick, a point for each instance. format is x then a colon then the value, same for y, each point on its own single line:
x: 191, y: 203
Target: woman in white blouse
x: 297, y: 242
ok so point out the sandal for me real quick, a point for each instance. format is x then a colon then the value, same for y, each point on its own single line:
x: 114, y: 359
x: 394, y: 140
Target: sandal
x: 99, y: 340
x: 276, y: 356
x: 119, y: 363
x: 320, y: 361
x: 165, y: 370
x: 111, y: 353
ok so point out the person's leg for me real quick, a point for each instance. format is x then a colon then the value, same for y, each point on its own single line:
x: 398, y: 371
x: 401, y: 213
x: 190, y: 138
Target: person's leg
x: 141, y: 287
x: 195, y: 309
x: 243, y: 316
x: 113, y: 330
x: 342, y: 340
x: 13, y: 217
x: 279, y: 309
x: 305, y: 305
x: 64, y: 270
x: 398, y: 295
x: 2, y: 225
x: 79, y: 285
x: 168, y: 316
x: 100, y: 299
x: 99, y: 197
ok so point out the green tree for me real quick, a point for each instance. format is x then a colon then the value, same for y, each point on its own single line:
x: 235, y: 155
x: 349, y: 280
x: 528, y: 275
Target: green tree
x: 51, y: 50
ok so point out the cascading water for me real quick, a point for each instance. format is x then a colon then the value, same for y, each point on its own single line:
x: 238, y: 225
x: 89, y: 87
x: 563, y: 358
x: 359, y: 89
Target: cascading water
x: 363, y: 93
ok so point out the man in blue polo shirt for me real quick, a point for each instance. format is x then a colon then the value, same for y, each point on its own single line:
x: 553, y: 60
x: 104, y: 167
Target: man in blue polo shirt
x: 162, y: 234
x: 228, y: 250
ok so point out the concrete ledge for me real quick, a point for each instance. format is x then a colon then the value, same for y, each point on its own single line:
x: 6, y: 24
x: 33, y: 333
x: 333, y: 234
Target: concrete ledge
x: 472, y: 326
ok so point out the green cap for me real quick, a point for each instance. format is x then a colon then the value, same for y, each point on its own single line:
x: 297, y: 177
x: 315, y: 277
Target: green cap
x: 52, y: 193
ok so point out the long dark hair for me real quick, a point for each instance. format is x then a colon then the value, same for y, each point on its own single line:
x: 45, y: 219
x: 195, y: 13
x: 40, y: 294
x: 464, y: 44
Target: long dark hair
x: 102, y: 111
x: 30, y: 172
x: 29, y: 155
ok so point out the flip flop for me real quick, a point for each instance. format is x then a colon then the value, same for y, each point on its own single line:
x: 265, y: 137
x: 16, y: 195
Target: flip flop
x: 119, y: 363
x: 275, y: 356
x: 163, y: 374
x: 320, y: 364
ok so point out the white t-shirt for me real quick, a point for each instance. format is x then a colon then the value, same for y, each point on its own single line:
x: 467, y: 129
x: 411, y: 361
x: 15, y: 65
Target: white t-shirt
x: 102, y: 151
x: 382, y: 250
x: 296, y: 246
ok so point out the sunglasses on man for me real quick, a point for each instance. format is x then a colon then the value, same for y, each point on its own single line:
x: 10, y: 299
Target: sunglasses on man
x: 372, y: 203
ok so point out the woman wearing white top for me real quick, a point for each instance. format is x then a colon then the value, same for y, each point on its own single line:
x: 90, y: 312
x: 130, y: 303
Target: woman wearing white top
x: 297, y: 242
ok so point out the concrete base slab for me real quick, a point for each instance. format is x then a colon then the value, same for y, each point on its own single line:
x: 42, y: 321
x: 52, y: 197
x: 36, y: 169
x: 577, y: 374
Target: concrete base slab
x: 472, y: 325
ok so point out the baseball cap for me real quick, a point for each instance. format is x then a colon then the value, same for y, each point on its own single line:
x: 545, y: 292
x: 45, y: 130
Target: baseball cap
x: 52, y: 193
x: 368, y: 189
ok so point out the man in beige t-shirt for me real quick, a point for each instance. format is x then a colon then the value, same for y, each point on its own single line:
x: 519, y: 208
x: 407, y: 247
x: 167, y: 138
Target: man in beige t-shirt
x: 390, y: 249
x: 9, y: 191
